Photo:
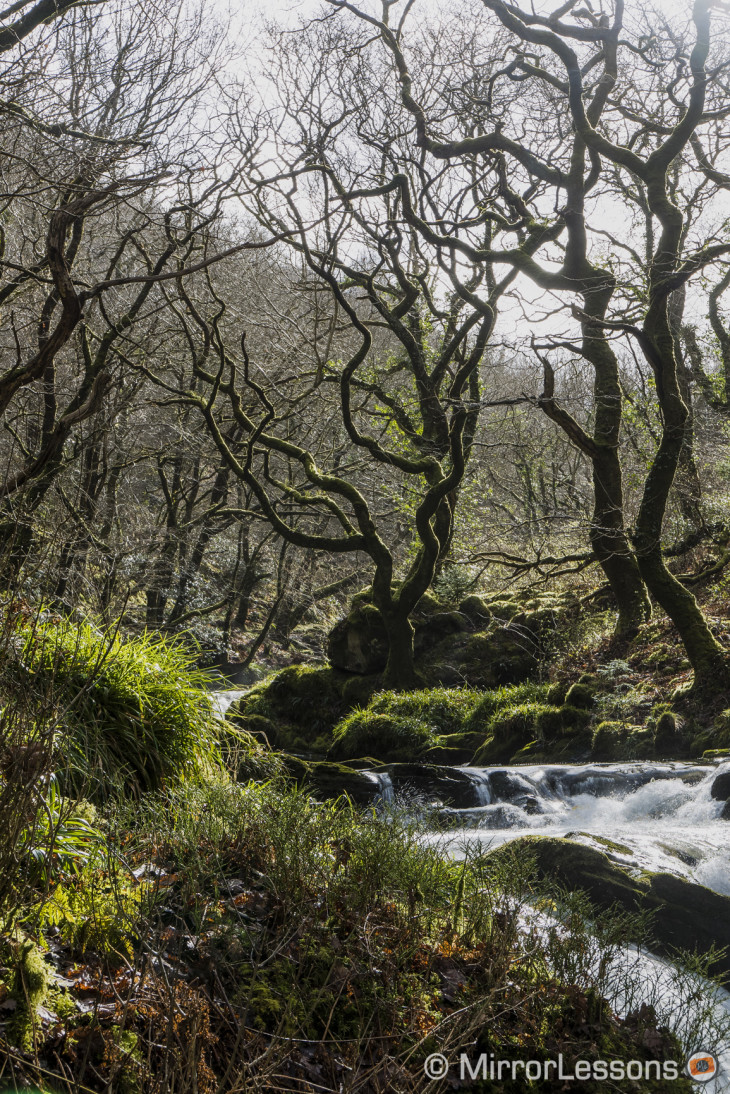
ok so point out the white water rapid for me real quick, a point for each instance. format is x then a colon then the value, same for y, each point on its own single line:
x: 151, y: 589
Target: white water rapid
x: 644, y: 816
x: 650, y: 816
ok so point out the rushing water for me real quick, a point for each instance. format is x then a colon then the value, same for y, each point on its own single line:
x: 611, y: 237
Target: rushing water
x: 657, y: 816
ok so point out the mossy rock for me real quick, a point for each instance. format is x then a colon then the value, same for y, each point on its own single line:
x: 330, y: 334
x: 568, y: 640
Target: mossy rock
x: 295, y: 709
x: 248, y: 752
x: 505, y: 610
x: 484, y: 644
x: 333, y: 780
x: 669, y: 741
x: 507, y: 655
x: 357, y: 691
x: 684, y: 915
x: 510, y: 732
x: 580, y: 695
x: 408, y: 726
x: 455, y: 748
x: 261, y: 729
x: 619, y: 741
x: 386, y: 736
x: 715, y: 739
x: 518, y: 724
x: 556, y: 693
x: 359, y: 642
x: 476, y: 609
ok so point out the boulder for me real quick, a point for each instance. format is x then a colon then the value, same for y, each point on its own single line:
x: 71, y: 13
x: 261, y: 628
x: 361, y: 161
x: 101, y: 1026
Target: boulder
x: 332, y: 780
x: 359, y: 643
x: 476, y: 609
x: 449, y: 785
x: 296, y: 708
x: 483, y: 645
x: 685, y: 915
x: 580, y: 695
x: 720, y: 789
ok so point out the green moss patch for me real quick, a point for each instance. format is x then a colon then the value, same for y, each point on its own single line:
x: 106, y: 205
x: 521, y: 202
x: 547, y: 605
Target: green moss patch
x: 297, y: 708
x: 406, y: 726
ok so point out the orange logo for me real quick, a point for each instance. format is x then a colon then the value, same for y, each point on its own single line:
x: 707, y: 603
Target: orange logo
x: 701, y: 1067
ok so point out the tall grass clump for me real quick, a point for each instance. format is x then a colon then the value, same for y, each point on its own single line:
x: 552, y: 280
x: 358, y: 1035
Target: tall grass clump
x: 129, y: 710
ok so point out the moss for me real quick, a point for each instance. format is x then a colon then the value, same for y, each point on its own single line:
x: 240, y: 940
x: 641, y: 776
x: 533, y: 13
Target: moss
x: 127, y: 1057
x: 556, y: 693
x: 403, y: 726
x: 61, y: 1002
x: 261, y: 728
x: 29, y: 983
x: 512, y: 730
x: 533, y: 732
x: 580, y: 695
x: 505, y: 609
x: 359, y: 690
x: 619, y: 741
x: 454, y: 748
x: 295, y: 709
x: 332, y: 780
x: 476, y: 609
x: 609, y: 844
x: 385, y: 736
x: 668, y: 740
x: 502, y: 699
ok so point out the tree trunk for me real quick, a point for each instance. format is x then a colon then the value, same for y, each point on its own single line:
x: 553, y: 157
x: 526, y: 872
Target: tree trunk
x: 610, y: 543
x: 400, y: 670
x: 608, y: 533
x: 708, y: 658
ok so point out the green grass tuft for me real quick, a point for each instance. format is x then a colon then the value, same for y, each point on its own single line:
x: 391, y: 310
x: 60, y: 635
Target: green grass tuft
x: 132, y: 710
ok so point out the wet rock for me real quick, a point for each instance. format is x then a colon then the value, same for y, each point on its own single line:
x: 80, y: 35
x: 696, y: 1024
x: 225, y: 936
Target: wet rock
x: 332, y: 780
x: 508, y: 786
x: 684, y: 915
x: 725, y: 812
x: 720, y: 789
x: 449, y: 785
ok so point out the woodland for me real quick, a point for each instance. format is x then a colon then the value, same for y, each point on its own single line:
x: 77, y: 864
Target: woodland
x: 364, y: 544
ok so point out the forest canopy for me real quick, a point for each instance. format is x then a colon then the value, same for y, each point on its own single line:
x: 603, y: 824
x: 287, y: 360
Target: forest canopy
x: 395, y: 297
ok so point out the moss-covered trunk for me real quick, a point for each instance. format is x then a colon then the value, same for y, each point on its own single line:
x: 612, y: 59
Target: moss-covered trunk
x: 709, y: 660
x: 608, y: 533
x: 707, y: 657
x: 400, y: 670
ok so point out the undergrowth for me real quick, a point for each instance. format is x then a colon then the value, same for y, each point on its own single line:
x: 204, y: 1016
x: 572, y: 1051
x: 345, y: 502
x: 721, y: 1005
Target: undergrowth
x: 263, y: 938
